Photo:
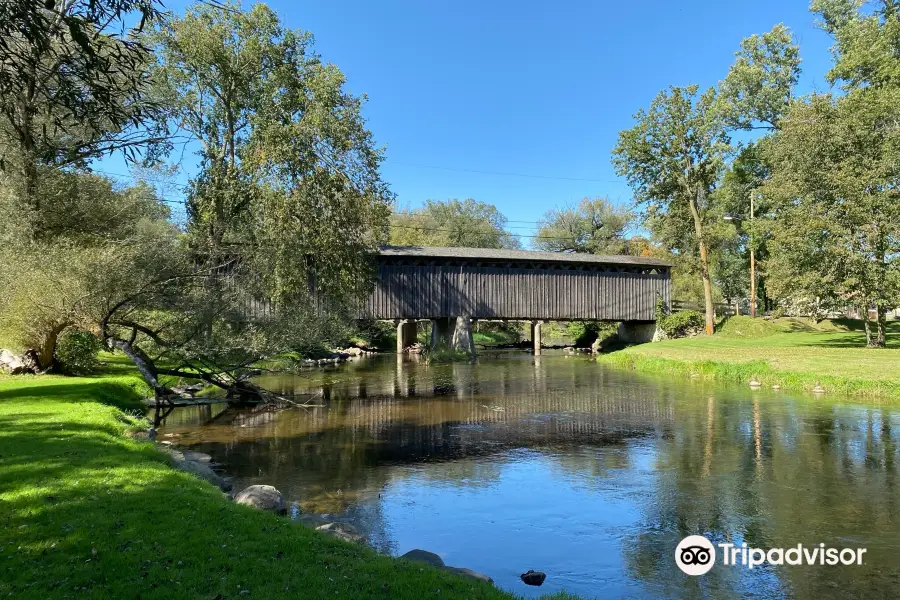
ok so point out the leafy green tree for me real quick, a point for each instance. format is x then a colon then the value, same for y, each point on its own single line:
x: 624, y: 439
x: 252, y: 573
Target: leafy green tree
x: 759, y: 86
x: 866, y: 41
x: 45, y: 281
x: 454, y: 223
x: 834, y: 179
x: 288, y: 168
x: 673, y: 158
x: 595, y: 226
x: 72, y: 85
x: 754, y: 95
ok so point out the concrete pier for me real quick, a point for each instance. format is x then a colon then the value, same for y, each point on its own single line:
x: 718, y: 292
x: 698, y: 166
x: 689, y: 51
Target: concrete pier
x: 536, y: 336
x: 406, y: 334
x: 454, y: 333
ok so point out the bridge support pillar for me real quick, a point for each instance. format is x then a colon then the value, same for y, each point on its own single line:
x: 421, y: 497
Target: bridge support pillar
x: 406, y: 334
x: 636, y: 332
x: 536, y: 336
x: 454, y: 333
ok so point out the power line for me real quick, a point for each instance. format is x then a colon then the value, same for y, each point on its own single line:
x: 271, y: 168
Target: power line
x: 528, y: 175
x: 439, y: 230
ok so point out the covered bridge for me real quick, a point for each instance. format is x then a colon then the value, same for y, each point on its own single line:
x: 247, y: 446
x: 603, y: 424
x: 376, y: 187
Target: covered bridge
x: 452, y: 286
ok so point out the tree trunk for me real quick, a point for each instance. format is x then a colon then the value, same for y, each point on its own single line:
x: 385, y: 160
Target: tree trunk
x: 694, y: 203
x: 143, y: 363
x: 880, y: 323
x: 46, y: 354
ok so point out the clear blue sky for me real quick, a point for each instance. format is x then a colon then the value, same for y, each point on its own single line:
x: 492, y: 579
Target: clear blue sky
x: 527, y: 87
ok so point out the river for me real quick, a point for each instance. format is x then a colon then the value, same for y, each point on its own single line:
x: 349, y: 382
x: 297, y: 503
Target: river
x: 590, y: 474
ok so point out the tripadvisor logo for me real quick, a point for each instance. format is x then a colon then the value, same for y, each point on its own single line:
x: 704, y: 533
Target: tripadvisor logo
x: 696, y: 555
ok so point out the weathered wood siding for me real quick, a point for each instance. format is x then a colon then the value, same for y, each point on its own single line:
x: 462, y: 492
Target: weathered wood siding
x: 516, y: 291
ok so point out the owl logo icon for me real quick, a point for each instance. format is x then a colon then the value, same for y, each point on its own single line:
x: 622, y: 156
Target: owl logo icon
x: 695, y: 555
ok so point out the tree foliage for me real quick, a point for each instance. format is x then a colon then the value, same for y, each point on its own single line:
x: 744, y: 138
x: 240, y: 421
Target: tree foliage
x: 454, y: 223
x: 594, y: 226
x: 760, y: 83
x: 866, y: 41
x: 835, y: 179
x: 72, y: 84
x: 673, y: 158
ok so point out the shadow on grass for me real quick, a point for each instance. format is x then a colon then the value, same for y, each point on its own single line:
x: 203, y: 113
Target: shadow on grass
x: 122, y: 393
x: 99, y: 515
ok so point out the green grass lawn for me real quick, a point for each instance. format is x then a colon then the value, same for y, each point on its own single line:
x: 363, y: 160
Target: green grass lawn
x: 793, y: 353
x: 87, y: 512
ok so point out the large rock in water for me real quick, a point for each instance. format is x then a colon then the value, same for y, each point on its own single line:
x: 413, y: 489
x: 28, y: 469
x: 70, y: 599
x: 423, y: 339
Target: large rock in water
x: 263, y: 497
x: 531, y: 577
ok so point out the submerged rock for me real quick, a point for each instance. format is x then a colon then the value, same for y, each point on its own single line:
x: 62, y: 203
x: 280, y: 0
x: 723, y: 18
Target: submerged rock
x: 434, y: 560
x: 469, y: 573
x: 200, y: 470
x: 531, y: 577
x: 341, y: 531
x: 263, y: 497
x: 197, y: 456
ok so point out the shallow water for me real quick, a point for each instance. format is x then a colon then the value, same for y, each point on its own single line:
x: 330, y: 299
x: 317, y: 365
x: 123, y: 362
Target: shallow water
x: 588, y: 473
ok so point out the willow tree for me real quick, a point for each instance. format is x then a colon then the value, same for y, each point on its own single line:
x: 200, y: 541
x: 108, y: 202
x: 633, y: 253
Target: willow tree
x: 73, y: 83
x: 673, y: 158
x: 283, y: 215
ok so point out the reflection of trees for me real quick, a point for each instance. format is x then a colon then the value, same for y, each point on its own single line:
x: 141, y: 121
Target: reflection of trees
x: 332, y: 457
x: 780, y: 473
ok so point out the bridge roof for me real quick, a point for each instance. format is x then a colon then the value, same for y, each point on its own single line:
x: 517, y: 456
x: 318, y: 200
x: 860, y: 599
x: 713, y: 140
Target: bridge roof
x: 520, y: 256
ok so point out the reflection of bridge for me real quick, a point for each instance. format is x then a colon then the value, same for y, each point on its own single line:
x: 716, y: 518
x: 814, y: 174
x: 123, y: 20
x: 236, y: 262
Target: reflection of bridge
x: 452, y: 286
x: 373, y: 416
x: 461, y: 409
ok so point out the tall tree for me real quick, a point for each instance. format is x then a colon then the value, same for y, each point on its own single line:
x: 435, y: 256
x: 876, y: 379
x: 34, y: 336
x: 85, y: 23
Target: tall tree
x: 836, y: 181
x: 760, y: 83
x: 72, y: 84
x: 754, y: 95
x: 467, y: 223
x: 288, y: 168
x: 595, y: 226
x: 673, y: 158
x: 866, y: 41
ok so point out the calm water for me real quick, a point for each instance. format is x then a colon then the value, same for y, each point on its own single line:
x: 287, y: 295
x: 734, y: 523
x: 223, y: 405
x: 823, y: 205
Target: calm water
x: 590, y: 474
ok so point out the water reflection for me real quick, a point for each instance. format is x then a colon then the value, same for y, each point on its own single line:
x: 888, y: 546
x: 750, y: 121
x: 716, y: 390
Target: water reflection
x: 590, y: 474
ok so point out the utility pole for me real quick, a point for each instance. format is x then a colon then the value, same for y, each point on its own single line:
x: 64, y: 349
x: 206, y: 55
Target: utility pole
x: 752, y: 261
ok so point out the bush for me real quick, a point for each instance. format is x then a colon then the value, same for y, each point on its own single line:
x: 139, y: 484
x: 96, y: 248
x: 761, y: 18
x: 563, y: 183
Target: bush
x: 684, y: 323
x: 76, y: 352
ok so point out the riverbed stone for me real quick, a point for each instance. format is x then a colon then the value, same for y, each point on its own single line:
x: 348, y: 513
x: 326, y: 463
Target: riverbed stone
x: 469, y: 573
x: 200, y: 457
x: 263, y: 497
x: 202, y: 471
x: 424, y: 556
x: 342, y: 531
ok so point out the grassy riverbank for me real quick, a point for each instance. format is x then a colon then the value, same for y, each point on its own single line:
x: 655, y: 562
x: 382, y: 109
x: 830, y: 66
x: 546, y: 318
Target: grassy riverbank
x: 793, y: 353
x: 85, y: 511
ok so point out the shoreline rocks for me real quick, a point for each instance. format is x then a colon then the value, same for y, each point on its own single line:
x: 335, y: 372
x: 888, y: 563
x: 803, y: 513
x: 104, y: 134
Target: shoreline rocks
x: 267, y: 497
x: 430, y: 558
x: 263, y: 497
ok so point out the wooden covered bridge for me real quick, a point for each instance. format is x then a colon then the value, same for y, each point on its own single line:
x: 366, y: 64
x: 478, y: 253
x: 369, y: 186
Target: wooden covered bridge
x: 453, y: 286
